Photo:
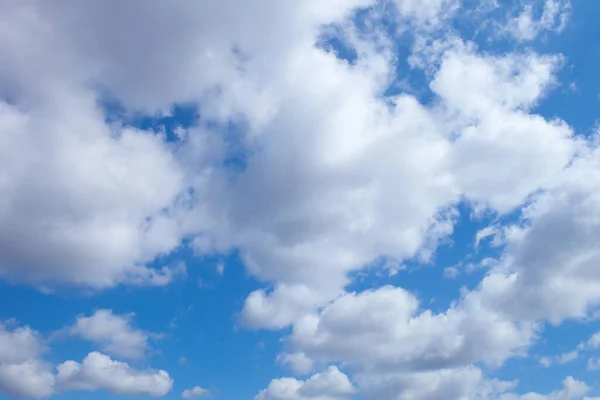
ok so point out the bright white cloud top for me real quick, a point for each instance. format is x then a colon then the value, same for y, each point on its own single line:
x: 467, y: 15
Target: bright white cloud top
x: 336, y: 148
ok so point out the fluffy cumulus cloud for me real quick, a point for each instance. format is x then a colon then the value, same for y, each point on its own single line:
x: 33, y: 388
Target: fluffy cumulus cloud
x: 100, y: 372
x: 300, y: 363
x: 532, y: 150
x: 331, y: 384
x: 338, y: 164
x: 113, y: 333
x: 464, y: 383
x: 551, y: 252
x: 383, y: 329
x: 314, y: 121
x: 194, y: 392
x: 83, y: 202
x: 23, y: 373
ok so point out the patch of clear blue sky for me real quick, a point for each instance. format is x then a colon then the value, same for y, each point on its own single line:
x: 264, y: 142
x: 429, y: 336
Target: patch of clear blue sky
x: 181, y: 115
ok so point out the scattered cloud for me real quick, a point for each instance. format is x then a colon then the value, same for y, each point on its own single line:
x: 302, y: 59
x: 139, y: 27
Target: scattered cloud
x: 337, y: 174
x: 299, y: 363
x: 22, y: 371
x: 383, y: 328
x: 332, y: 384
x: 553, y: 18
x: 115, y: 334
x: 460, y: 383
x: 100, y: 372
x: 194, y: 392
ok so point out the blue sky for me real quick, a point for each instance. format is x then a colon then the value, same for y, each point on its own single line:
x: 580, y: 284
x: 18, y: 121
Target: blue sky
x: 302, y: 200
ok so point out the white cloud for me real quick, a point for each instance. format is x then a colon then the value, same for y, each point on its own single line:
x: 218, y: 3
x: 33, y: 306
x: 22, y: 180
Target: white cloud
x: 465, y: 383
x: 299, y: 363
x: 556, y: 255
x: 113, y: 333
x: 485, y: 99
x: 491, y: 96
x: 78, y: 214
x: 309, y: 238
x: 383, y: 329
x: 429, y: 13
x: 100, y: 372
x: 100, y: 231
x: 338, y: 176
x: 563, y: 358
x: 194, y: 392
x: 496, y: 83
x: 280, y: 307
x: 594, y: 340
x: 331, y: 384
x: 317, y: 122
x: 572, y: 390
x: 22, y: 372
x: 593, y: 363
x: 526, y: 26
x: 83, y: 202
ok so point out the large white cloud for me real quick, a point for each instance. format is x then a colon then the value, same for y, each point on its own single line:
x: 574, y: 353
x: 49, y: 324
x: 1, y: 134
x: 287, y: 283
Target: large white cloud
x: 384, y: 330
x: 82, y: 203
x: 24, y: 372
x: 552, y: 253
x: 460, y: 384
x: 368, y: 178
x: 108, y: 193
x: 491, y: 96
x: 479, y: 142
